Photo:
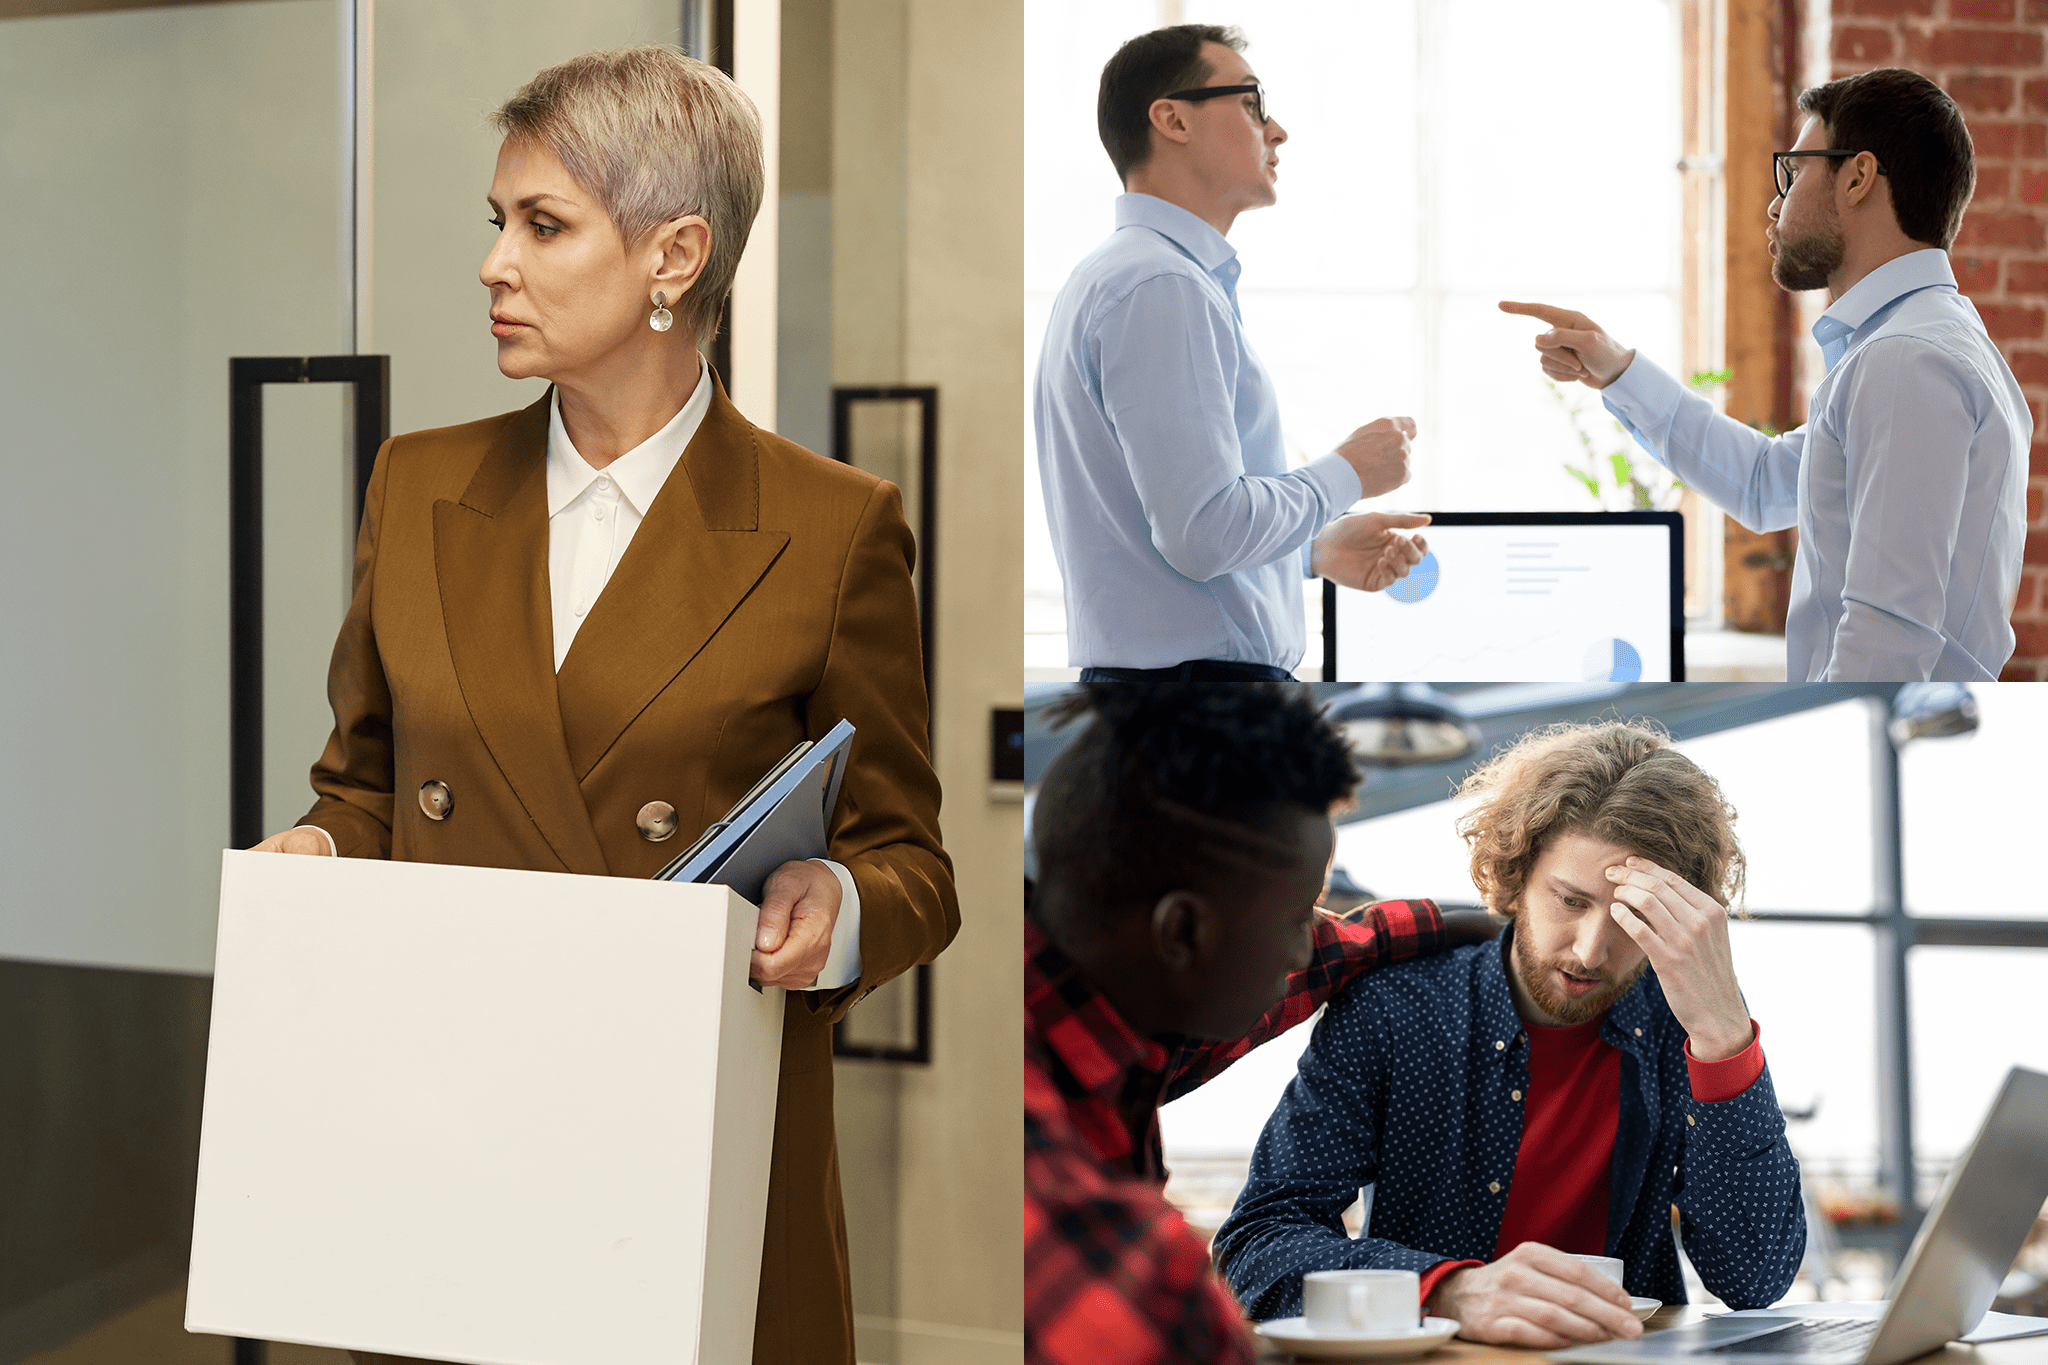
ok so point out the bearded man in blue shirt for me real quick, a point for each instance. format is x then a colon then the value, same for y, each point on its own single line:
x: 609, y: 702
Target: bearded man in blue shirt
x: 1182, y: 536
x: 1518, y: 1105
x: 1908, y: 481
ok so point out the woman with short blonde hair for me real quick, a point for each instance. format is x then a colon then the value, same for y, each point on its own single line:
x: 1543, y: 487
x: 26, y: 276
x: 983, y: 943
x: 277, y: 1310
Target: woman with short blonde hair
x: 653, y: 135
x: 585, y: 628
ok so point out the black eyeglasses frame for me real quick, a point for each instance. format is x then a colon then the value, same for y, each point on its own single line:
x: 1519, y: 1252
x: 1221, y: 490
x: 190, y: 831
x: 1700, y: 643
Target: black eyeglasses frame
x: 1782, y: 173
x: 1210, y: 92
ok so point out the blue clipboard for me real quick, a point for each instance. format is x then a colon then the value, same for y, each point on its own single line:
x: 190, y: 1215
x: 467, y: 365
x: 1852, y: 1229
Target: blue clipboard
x: 787, y: 817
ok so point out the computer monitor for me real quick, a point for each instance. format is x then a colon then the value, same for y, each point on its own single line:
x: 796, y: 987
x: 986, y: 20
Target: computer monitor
x: 1522, y: 597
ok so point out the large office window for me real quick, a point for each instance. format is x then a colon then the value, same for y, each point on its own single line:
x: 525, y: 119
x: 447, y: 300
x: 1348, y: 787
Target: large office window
x: 1427, y: 175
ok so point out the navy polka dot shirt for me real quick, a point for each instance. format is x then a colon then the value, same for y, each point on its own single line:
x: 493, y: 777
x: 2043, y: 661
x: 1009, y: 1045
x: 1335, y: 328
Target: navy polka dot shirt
x: 1409, y: 1085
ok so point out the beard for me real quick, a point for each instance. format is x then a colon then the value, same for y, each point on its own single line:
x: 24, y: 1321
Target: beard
x: 1537, y: 981
x: 1808, y: 262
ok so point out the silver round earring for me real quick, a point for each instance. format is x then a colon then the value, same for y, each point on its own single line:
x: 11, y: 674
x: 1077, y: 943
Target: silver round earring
x: 662, y: 319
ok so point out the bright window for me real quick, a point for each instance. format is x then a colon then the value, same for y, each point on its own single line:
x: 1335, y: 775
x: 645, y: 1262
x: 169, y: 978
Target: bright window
x: 1959, y: 793
x: 1432, y: 168
x: 1974, y: 1018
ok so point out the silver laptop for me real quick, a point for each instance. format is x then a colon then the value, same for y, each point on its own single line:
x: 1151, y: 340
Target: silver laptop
x: 1961, y: 1256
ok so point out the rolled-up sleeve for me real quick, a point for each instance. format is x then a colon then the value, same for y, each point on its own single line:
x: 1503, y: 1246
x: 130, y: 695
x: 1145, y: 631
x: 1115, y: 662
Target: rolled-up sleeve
x: 1170, y: 362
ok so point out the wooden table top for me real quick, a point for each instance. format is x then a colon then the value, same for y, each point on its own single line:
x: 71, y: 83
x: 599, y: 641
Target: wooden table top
x: 1457, y: 1351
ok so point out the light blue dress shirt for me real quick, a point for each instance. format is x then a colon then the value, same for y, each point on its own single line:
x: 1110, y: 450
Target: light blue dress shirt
x: 1180, y: 532
x: 1908, y: 482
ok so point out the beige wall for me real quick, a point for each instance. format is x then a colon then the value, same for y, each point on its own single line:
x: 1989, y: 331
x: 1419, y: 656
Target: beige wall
x: 927, y: 287
x: 963, y: 330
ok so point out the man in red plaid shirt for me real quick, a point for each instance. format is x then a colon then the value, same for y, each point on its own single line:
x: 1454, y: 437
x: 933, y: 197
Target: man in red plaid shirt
x: 1182, y: 841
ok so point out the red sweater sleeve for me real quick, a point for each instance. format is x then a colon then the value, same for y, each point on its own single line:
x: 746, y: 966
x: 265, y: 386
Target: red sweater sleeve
x: 1713, y: 1082
x: 1437, y: 1274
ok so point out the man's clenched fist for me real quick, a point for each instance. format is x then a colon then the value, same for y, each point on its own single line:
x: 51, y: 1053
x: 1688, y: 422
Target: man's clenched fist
x: 1378, y: 453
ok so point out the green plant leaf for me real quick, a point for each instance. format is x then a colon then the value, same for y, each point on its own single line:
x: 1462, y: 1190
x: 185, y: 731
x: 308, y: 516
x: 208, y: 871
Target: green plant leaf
x: 1592, y: 484
x: 1702, y: 380
x: 1624, y: 473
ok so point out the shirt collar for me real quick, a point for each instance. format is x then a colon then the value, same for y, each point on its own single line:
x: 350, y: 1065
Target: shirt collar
x: 641, y: 471
x: 1210, y: 249
x: 1625, y: 1026
x: 1896, y: 278
x: 1080, y: 1027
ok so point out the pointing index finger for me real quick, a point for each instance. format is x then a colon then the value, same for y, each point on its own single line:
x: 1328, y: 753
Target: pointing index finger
x: 1556, y: 317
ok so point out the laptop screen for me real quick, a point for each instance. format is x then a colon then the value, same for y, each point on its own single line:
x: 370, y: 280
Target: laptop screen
x: 1522, y: 596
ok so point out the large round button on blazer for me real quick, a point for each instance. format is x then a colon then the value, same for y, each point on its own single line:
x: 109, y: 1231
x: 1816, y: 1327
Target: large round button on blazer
x: 765, y: 597
x: 657, y: 821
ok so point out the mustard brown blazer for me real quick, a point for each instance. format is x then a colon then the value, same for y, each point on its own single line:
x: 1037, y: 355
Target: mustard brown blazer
x: 766, y: 595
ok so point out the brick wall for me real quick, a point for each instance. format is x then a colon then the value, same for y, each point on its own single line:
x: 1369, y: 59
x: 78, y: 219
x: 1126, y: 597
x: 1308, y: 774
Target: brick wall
x: 1992, y: 58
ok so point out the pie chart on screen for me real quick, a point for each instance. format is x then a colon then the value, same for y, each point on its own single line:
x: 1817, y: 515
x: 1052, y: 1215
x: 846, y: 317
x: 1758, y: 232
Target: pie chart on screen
x: 1420, y: 582
x: 1610, y: 660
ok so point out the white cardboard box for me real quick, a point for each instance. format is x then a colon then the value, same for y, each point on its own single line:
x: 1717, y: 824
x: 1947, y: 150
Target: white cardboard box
x: 478, y: 1115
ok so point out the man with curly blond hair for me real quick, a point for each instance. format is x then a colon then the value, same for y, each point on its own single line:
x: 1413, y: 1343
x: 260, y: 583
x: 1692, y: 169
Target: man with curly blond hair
x: 1522, y: 1104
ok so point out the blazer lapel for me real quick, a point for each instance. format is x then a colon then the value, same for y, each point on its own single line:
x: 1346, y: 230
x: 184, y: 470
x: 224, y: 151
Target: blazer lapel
x: 491, y: 560
x: 697, y: 555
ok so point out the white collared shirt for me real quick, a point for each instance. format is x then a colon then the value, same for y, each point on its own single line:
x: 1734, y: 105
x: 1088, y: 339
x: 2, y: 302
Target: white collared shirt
x: 1180, y: 531
x: 592, y: 515
x: 1908, y: 481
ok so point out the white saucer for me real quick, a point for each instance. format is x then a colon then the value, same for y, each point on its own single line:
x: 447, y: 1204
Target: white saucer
x: 1294, y: 1335
x: 1644, y: 1307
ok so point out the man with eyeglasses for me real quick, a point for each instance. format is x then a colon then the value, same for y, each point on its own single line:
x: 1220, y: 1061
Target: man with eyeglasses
x: 1181, y: 534
x: 1908, y: 481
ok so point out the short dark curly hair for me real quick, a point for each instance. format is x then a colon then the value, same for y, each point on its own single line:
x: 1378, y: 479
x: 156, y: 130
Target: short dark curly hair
x: 1147, y: 68
x: 1176, y: 785
x: 1618, y: 781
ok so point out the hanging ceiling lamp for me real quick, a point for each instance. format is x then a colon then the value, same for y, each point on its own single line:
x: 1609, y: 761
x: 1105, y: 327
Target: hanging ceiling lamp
x: 1399, y: 725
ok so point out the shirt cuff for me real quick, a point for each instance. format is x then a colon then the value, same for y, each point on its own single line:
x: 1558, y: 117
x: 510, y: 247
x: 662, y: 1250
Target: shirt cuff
x: 1643, y: 388
x: 1713, y: 1082
x: 842, y: 962
x: 1437, y: 1274
x: 331, y: 851
x: 1337, y: 481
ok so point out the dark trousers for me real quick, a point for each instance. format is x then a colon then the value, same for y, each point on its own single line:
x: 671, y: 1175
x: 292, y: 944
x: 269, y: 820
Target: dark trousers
x: 1195, y: 670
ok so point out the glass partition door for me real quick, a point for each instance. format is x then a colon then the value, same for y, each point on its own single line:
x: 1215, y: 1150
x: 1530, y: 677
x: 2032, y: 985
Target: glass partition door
x: 175, y: 198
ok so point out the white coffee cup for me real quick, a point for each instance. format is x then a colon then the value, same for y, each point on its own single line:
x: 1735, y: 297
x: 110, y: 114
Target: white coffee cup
x: 1361, y: 1303
x: 1610, y: 1266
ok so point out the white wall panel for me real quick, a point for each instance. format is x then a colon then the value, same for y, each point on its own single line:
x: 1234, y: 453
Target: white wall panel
x: 172, y: 197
